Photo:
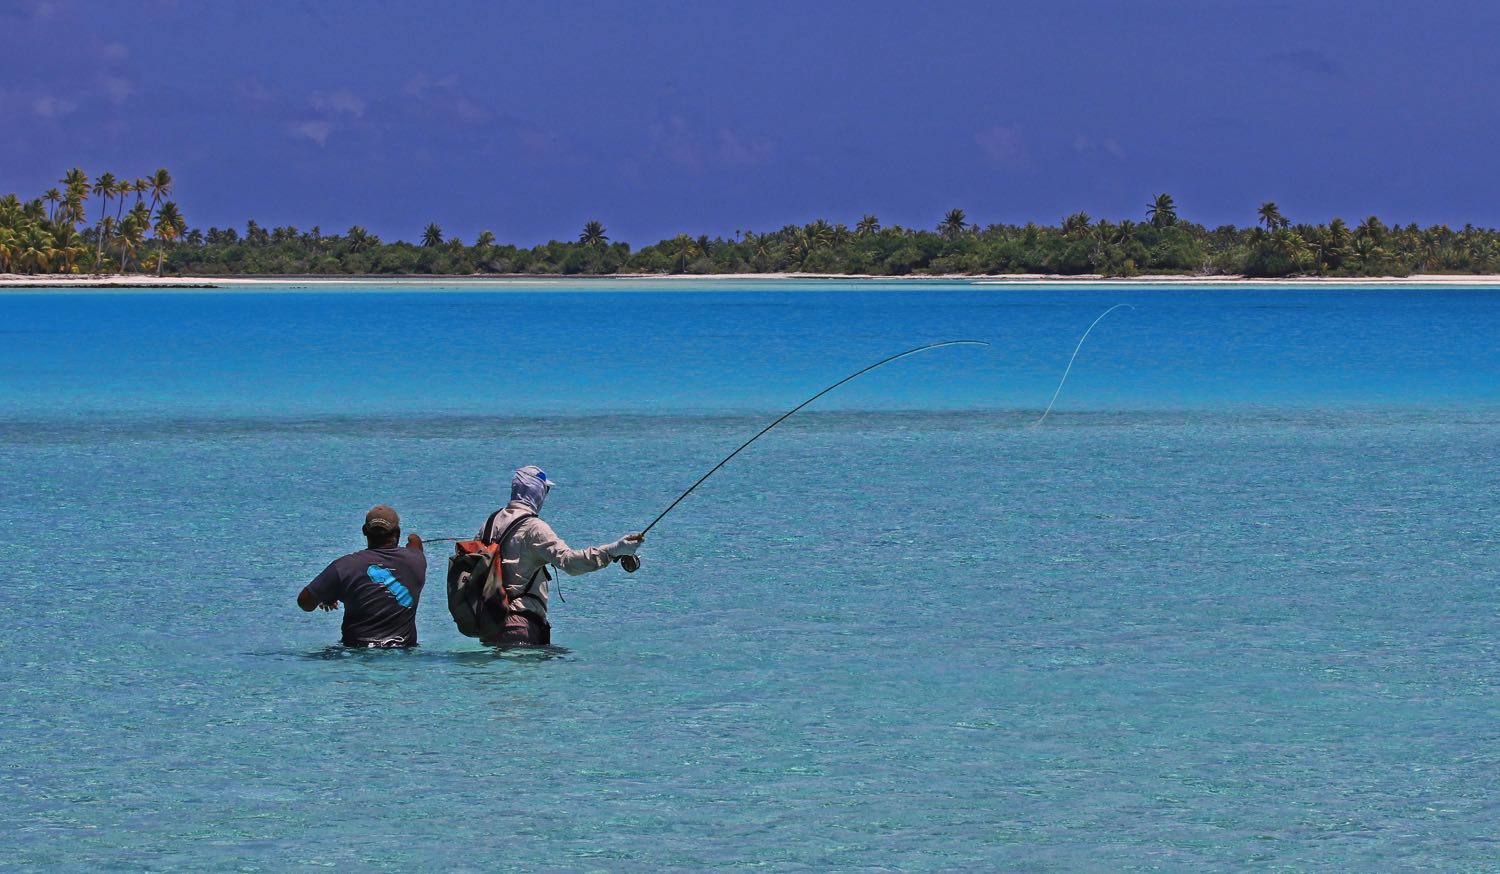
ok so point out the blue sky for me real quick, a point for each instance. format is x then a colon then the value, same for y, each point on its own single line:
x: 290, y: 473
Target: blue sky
x: 530, y: 118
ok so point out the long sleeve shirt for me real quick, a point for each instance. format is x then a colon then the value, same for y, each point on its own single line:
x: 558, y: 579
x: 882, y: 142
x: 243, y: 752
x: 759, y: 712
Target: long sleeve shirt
x: 532, y: 547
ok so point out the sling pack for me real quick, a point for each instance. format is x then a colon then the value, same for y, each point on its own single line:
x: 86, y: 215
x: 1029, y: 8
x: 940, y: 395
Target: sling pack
x: 477, y: 598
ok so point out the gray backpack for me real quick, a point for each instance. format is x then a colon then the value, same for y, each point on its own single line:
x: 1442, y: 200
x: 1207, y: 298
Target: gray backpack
x: 476, y: 589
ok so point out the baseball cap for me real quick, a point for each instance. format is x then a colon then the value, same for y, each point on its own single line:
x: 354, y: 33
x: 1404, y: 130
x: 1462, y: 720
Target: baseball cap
x: 382, y: 518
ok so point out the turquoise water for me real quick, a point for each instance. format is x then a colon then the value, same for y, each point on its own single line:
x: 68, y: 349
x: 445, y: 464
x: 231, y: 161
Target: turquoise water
x: 1233, y: 606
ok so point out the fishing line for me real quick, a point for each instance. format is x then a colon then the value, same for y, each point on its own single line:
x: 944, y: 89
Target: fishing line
x: 631, y: 563
x: 789, y: 413
x: 1069, y: 369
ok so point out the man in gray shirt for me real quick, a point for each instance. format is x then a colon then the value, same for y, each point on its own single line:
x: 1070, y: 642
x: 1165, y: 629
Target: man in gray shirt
x: 527, y: 546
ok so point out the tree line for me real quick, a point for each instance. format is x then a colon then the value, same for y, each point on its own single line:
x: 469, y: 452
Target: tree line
x: 51, y: 234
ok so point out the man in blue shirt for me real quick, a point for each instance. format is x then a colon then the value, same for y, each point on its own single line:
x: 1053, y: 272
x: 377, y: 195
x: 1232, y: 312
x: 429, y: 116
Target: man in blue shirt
x: 379, y: 585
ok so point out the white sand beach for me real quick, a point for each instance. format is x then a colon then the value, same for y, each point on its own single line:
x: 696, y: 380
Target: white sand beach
x: 90, y: 281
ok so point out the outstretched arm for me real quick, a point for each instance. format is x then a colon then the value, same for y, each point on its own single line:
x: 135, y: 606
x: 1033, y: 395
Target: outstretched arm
x: 576, y: 561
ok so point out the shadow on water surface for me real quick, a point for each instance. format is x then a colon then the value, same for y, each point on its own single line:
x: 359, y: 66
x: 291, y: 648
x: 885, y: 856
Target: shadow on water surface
x: 377, y: 656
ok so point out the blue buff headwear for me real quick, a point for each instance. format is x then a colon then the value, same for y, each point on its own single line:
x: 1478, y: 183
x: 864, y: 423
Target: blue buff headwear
x: 530, y: 486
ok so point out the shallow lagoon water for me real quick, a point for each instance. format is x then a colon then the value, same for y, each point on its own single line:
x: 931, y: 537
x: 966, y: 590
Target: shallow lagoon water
x: 1234, y: 605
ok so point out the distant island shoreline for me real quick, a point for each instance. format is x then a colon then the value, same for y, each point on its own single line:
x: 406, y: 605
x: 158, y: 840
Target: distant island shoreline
x: 132, y: 228
x: 13, y: 281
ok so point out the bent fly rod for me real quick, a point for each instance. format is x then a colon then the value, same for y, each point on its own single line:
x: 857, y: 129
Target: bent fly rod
x: 630, y: 563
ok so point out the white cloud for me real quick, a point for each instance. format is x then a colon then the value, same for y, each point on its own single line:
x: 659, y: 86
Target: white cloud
x: 422, y: 85
x: 446, y: 97
x: 41, y: 9
x: 341, y: 101
x: 317, y: 131
x: 736, y: 151
x: 1002, y: 144
x: 674, y: 141
x: 116, y: 88
x: 1109, y: 145
x: 50, y: 106
x: 691, y: 148
x: 252, y: 90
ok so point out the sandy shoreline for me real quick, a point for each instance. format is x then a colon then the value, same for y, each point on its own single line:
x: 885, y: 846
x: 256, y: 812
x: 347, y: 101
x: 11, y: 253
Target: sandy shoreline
x: 84, y: 281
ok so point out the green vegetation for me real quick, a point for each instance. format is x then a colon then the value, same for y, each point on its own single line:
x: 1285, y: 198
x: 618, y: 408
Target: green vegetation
x: 38, y: 238
x: 50, y: 235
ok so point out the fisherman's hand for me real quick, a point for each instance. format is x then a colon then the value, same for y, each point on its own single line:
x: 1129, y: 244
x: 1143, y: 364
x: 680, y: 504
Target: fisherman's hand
x: 414, y: 542
x: 329, y: 605
x: 626, y: 545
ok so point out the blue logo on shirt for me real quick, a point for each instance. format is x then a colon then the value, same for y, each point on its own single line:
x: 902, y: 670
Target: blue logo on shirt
x: 386, y: 578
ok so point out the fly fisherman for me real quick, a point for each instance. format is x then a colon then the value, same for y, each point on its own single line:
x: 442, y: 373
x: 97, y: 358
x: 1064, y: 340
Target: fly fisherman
x: 527, y: 546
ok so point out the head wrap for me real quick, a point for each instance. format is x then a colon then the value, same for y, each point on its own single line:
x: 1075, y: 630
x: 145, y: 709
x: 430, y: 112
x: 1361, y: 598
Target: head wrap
x: 529, y: 486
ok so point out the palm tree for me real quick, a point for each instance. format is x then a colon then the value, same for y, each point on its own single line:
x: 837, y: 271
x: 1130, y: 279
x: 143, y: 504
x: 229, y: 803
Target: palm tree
x: 485, y: 240
x: 169, y: 226
x: 684, y: 249
x: 37, y: 251
x: 77, y: 183
x: 805, y: 239
x: 867, y: 226
x: 132, y: 234
x: 107, y: 229
x: 132, y: 237
x: 1366, y: 252
x: 433, y: 236
x: 68, y: 245
x: 1291, y: 246
x: 1077, y: 225
x: 357, y: 239
x: 160, y: 185
x: 104, y: 186
x: 10, y: 248
x: 122, y: 188
x: 762, y: 249
x: 593, y: 234
x: 53, y: 198
x: 1338, y: 233
x: 1162, y: 211
x: 953, y: 224
x: 1371, y: 229
x: 1271, y: 216
x: 74, y: 178
x: 71, y: 212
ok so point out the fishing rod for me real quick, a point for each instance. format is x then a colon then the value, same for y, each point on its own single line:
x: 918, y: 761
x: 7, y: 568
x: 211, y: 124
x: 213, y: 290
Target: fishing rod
x: 1069, y: 368
x: 631, y: 563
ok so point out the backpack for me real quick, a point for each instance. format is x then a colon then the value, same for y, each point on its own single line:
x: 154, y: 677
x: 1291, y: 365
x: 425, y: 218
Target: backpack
x: 476, y: 588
